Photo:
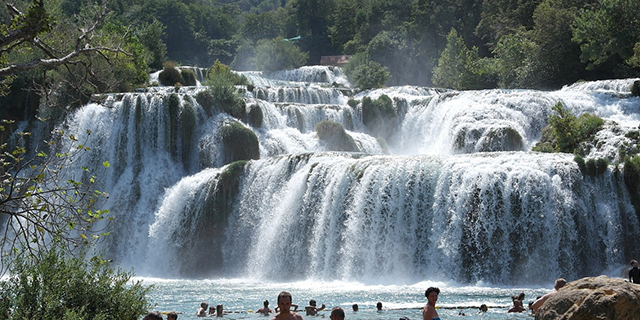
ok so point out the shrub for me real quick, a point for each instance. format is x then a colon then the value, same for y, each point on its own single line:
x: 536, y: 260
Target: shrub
x: 64, y: 287
x: 335, y: 137
x: 564, y: 128
x: 170, y: 75
x: 240, y: 143
x: 588, y: 125
x: 222, y: 91
x: 221, y: 73
x: 188, y: 77
x: 565, y: 132
x: 228, y: 100
x: 278, y: 54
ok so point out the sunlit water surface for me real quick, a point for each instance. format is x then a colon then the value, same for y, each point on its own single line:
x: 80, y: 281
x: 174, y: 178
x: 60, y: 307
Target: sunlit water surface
x: 241, y: 297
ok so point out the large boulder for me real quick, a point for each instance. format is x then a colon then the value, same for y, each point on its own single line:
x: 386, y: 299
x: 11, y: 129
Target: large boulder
x: 600, y: 298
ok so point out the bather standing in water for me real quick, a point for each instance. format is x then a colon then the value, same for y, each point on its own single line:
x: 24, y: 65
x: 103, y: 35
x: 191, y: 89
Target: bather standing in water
x: 429, y: 312
x: 265, y: 310
x: 284, y: 304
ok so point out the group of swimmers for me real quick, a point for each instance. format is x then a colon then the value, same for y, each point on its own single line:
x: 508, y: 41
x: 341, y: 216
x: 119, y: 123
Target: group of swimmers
x: 212, y: 311
x: 285, y: 304
x: 430, y: 313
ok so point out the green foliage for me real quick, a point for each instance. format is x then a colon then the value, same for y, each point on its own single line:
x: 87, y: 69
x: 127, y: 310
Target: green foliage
x: 457, y: 65
x: 366, y: 74
x: 150, y: 35
x: 228, y: 99
x: 221, y: 73
x: 556, y: 59
x: 222, y: 92
x: 278, y: 54
x: 634, y: 61
x: 170, y: 74
x: 335, y: 137
x: 240, y: 142
x: 40, y: 202
x: 581, y: 163
x: 592, y: 167
x: 63, y: 287
x: 503, y: 17
x: 188, y: 77
x: 564, y: 126
x: 607, y: 34
x: 265, y: 25
x: 75, y: 56
x: 588, y: 125
x: 566, y: 132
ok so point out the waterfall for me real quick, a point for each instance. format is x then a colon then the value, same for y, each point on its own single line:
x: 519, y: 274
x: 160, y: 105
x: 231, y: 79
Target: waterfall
x: 452, y: 192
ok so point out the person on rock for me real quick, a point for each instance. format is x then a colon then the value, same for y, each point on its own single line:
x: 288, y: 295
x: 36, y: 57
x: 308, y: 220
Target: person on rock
x: 538, y: 303
x: 634, y: 272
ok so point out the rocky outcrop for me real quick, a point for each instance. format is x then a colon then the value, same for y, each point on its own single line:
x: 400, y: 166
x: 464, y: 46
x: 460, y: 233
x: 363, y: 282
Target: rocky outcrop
x: 600, y: 298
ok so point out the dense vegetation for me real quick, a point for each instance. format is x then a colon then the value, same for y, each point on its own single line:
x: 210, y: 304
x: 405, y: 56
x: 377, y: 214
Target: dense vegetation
x: 458, y: 44
x: 59, y: 287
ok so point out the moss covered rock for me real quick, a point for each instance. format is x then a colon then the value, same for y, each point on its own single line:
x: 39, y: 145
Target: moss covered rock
x: 240, y: 143
x: 170, y: 75
x: 188, y: 77
x: 255, y: 116
x: 632, y: 180
x: 379, y: 116
x: 335, y: 137
x: 635, y: 88
x: 211, y: 218
x: 205, y: 99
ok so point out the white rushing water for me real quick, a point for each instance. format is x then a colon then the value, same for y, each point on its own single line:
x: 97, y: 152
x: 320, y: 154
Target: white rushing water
x: 453, y: 194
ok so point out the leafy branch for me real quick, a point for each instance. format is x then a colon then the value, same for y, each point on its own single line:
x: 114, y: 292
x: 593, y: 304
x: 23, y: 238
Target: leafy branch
x: 42, y: 200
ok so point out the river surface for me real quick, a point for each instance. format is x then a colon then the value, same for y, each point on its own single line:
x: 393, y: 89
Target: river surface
x: 241, y: 297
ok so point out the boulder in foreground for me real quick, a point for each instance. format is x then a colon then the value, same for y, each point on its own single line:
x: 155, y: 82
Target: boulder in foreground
x: 600, y: 298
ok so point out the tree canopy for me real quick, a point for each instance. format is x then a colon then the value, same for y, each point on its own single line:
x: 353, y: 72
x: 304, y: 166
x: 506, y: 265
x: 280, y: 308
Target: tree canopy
x: 79, y: 47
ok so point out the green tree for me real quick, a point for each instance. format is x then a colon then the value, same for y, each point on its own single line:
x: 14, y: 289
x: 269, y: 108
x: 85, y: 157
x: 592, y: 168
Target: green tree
x: 504, y: 17
x: 75, y: 56
x: 515, y: 65
x: 180, y: 30
x: 556, y: 58
x: 457, y: 65
x: 278, y: 54
x: 366, y: 74
x: 313, y: 18
x: 607, y: 34
x: 266, y: 25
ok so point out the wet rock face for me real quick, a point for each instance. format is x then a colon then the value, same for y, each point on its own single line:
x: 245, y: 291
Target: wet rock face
x: 593, y: 298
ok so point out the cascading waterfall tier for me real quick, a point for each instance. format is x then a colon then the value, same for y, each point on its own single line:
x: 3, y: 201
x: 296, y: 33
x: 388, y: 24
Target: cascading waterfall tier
x: 452, y: 192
